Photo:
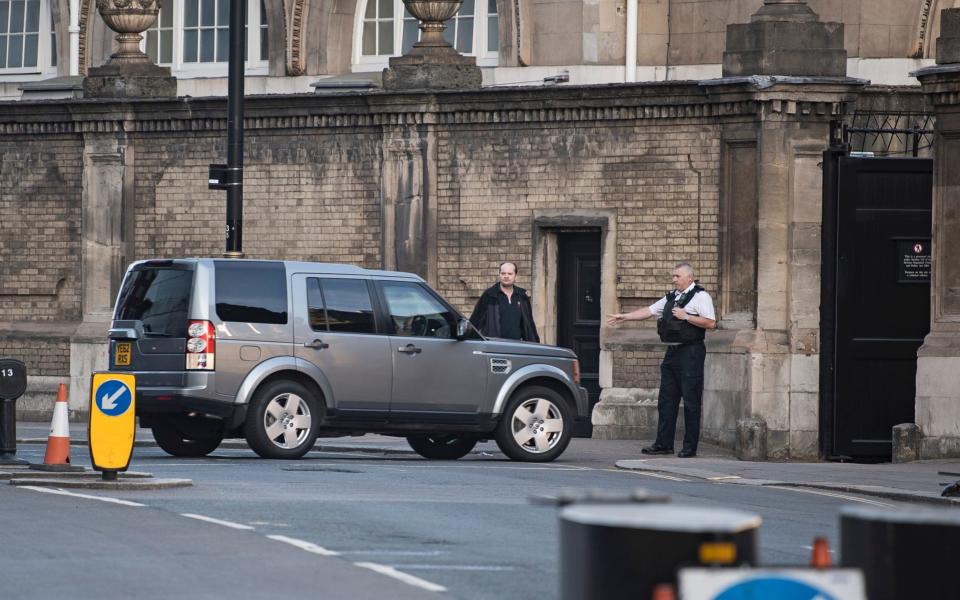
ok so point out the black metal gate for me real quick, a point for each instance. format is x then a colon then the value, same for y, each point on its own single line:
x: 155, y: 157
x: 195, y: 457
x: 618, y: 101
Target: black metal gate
x: 875, y: 300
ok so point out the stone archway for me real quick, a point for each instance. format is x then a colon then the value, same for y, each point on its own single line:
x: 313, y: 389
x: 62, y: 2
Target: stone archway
x: 928, y: 27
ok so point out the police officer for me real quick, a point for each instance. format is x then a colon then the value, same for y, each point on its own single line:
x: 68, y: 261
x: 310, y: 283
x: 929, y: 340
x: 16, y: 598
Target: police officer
x: 684, y: 315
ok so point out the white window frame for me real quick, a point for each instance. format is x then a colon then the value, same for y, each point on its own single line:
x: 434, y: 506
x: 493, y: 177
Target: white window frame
x: 43, y: 69
x: 255, y: 65
x: 362, y: 63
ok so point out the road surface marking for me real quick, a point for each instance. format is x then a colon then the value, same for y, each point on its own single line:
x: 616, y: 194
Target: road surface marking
x: 832, y: 495
x: 304, y: 545
x: 229, y: 524
x: 76, y: 495
x: 455, y: 567
x: 396, y: 465
x: 404, y: 577
x: 723, y: 477
x: 649, y: 474
x: 397, y: 552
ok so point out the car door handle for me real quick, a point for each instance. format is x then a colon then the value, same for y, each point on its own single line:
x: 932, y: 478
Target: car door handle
x: 409, y: 349
x: 318, y: 344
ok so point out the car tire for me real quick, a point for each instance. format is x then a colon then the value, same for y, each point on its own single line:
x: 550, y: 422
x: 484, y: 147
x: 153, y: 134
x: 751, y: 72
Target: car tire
x: 535, y: 426
x: 283, y: 420
x: 174, y: 442
x: 441, y: 446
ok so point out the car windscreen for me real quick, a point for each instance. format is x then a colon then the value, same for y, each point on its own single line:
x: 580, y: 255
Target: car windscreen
x: 158, y: 297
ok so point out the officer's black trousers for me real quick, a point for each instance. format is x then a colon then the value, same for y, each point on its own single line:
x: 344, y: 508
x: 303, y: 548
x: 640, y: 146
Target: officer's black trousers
x: 681, y: 375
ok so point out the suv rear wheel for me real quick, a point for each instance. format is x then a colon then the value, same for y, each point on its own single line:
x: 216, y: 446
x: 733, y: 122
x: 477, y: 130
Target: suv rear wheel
x: 442, y: 446
x: 536, y: 425
x: 185, y: 441
x: 282, y: 421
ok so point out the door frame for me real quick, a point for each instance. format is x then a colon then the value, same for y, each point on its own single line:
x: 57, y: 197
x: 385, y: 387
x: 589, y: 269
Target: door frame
x: 547, y: 226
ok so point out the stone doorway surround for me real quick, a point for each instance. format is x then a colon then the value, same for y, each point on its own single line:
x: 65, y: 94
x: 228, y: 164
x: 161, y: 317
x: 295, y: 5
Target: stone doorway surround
x: 548, y: 224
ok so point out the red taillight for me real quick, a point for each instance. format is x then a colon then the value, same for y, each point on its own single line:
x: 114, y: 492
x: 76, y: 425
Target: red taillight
x: 576, y: 371
x: 201, y: 345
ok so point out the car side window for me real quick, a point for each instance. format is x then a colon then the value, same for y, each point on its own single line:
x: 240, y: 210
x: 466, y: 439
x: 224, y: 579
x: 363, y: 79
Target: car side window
x: 347, y: 305
x: 416, y: 313
x: 316, y: 311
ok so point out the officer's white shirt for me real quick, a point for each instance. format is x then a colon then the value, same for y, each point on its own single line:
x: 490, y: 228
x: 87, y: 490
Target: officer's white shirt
x: 700, y: 306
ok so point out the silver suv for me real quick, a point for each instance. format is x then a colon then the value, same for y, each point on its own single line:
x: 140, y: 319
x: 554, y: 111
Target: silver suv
x: 281, y: 352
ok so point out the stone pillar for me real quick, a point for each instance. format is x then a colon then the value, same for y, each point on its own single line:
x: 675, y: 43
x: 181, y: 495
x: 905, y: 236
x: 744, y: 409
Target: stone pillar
x: 937, y: 410
x: 793, y: 67
x: 407, y: 191
x: 107, y: 194
x: 432, y: 63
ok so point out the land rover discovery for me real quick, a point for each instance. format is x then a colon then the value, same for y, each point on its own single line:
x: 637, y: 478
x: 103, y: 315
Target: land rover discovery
x: 281, y: 352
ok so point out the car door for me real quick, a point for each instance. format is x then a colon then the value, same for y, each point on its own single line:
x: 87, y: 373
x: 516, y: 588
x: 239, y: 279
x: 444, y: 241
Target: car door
x: 335, y: 329
x: 436, y: 378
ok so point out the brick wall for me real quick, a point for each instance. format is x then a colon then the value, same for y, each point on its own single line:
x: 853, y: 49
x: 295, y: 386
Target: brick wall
x: 40, y: 186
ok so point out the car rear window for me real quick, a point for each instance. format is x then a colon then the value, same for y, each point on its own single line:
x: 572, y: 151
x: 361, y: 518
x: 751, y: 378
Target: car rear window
x: 251, y: 292
x: 159, y: 298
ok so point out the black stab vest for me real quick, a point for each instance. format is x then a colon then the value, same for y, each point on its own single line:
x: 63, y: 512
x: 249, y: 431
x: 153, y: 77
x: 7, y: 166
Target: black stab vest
x: 674, y: 331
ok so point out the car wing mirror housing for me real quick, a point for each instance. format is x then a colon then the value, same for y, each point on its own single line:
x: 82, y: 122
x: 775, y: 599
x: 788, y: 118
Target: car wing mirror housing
x: 463, y: 329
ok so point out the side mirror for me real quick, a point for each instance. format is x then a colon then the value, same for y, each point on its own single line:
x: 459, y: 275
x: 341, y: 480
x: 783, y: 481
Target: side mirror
x: 463, y: 328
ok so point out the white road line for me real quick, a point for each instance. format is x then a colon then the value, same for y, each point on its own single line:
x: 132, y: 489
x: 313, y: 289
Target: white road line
x: 397, y: 552
x: 723, y: 477
x: 229, y: 524
x: 60, y: 492
x: 454, y: 567
x: 832, y: 495
x: 303, y: 545
x: 404, y: 577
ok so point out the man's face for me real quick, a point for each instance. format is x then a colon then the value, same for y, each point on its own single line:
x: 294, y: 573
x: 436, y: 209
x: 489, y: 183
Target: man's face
x: 682, y: 279
x: 508, y: 273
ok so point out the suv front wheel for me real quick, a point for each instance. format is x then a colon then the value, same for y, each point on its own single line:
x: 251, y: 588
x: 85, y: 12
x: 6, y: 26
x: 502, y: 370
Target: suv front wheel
x: 536, y: 425
x: 282, y: 421
x: 176, y: 439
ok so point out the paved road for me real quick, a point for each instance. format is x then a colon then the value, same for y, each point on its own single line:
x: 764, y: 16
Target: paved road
x: 467, y: 526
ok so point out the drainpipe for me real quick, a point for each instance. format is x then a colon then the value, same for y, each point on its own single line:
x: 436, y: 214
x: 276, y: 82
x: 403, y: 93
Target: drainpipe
x: 74, y: 31
x: 630, y: 68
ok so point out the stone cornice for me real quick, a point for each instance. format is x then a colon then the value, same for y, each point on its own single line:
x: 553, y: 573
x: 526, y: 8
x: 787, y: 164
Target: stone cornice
x: 569, y: 104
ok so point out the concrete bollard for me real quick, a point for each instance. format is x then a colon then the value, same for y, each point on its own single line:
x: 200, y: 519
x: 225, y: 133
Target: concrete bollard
x: 624, y: 551
x: 906, y: 442
x: 903, y: 553
x: 752, y: 439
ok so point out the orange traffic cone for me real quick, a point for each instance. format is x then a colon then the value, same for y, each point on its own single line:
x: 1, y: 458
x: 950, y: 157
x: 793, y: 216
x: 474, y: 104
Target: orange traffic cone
x: 57, y: 457
x: 820, y: 557
x: 664, y: 591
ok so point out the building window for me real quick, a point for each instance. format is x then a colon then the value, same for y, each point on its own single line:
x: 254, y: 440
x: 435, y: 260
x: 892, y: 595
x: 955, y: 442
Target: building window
x: 192, y: 37
x: 386, y: 29
x: 23, y: 49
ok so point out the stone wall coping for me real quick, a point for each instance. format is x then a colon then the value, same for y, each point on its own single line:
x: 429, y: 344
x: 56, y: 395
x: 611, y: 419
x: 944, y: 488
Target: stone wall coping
x: 947, y: 69
x: 708, y: 99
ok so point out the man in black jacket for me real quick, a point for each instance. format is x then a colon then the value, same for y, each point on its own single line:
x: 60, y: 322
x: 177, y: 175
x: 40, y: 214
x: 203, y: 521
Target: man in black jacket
x: 504, y: 310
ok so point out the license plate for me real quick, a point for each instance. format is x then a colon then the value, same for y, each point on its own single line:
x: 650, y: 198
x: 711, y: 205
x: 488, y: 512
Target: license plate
x: 122, y: 354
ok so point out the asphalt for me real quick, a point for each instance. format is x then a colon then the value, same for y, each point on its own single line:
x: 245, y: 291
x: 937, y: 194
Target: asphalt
x: 918, y: 481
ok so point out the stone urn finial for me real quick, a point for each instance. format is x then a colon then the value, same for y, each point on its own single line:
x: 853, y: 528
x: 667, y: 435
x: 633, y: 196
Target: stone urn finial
x: 433, y: 15
x: 129, y: 18
x: 129, y: 73
x: 432, y: 63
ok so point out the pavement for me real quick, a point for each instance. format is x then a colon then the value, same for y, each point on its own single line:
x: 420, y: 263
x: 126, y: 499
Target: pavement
x: 918, y: 481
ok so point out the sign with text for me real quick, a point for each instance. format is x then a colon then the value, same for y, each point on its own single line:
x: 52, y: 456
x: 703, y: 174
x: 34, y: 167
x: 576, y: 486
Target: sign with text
x: 13, y: 379
x: 913, y: 261
x: 112, y: 420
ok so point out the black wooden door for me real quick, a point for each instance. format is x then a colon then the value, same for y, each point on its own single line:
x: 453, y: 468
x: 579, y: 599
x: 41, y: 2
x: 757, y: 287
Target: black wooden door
x: 882, y: 298
x: 578, y: 307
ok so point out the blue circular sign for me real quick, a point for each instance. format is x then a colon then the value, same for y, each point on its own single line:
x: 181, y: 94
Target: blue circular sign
x: 769, y: 587
x: 113, y: 398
